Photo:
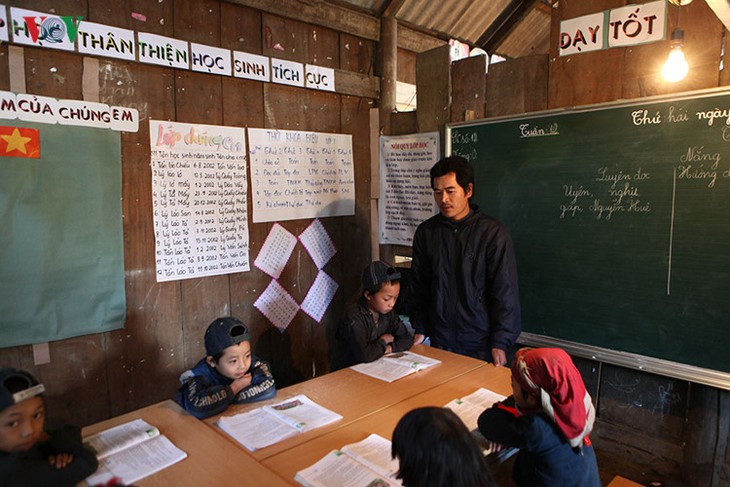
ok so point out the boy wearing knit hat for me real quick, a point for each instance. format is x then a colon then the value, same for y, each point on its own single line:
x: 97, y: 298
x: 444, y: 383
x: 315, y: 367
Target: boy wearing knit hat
x: 229, y: 373
x: 370, y: 328
x: 30, y: 454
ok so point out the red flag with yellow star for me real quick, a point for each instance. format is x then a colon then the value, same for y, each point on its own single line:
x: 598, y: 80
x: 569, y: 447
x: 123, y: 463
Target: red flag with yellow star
x: 20, y: 142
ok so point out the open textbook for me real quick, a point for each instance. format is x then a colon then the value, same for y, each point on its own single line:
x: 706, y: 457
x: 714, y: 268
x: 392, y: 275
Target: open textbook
x: 270, y: 424
x: 131, y: 451
x: 469, y: 408
x: 395, y: 365
x: 366, y: 463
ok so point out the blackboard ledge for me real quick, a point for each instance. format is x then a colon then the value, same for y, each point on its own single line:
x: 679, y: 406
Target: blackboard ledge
x: 713, y: 378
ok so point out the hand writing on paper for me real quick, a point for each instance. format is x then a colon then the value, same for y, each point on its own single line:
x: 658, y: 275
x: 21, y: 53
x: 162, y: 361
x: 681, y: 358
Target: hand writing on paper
x: 499, y: 357
x: 241, y: 383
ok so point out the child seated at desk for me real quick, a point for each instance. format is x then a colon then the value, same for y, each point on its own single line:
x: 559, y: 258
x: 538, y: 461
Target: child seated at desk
x: 30, y: 454
x: 548, y: 417
x: 435, y: 449
x: 370, y: 327
x: 229, y: 374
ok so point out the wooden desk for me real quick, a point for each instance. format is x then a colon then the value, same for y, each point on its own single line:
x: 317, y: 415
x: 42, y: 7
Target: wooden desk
x: 210, y: 460
x: 354, y: 395
x: 287, y: 463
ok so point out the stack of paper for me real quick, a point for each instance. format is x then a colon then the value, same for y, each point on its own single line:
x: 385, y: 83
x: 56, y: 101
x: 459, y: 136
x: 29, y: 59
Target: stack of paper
x: 270, y: 424
x: 131, y: 451
x: 395, y: 365
x: 366, y: 463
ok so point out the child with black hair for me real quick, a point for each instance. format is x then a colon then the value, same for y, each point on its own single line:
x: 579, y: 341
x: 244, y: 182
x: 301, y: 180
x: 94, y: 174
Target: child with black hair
x: 30, y: 454
x: 435, y: 449
x: 370, y: 328
x: 548, y: 417
x: 229, y: 374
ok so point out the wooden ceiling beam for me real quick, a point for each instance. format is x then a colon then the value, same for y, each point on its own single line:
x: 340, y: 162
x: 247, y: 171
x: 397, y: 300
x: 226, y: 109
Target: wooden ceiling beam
x: 504, y: 23
x: 343, y: 19
x: 390, y: 8
x: 324, y: 14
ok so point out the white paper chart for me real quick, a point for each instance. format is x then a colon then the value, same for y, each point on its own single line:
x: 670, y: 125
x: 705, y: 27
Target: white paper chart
x: 199, y: 200
x: 406, y: 197
x: 318, y: 243
x: 277, y: 305
x: 298, y: 174
x: 276, y: 251
x: 319, y: 296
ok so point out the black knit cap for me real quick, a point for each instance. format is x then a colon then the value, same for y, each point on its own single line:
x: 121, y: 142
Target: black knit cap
x: 17, y: 386
x: 377, y: 273
x: 223, y: 333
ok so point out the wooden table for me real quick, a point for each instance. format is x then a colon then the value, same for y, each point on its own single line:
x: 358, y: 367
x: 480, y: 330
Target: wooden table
x: 210, y: 460
x: 297, y: 457
x: 354, y: 395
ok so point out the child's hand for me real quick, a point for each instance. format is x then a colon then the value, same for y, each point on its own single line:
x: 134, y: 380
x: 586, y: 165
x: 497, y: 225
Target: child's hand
x: 495, y: 447
x: 241, y: 383
x: 418, y: 339
x: 61, y: 460
x: 387, y: 338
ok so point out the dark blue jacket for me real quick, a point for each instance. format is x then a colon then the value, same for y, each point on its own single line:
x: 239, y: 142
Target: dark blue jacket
x: 205, y: 392
x: 546, y: 459
x: 464, y: 291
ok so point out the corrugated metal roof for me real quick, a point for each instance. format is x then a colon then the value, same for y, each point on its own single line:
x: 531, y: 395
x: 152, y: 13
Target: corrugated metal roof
x: 530, y: 36
x: 470, y: 20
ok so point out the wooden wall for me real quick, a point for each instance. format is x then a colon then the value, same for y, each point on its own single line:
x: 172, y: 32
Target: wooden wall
x: 97, y: 376
x: 674, y: 429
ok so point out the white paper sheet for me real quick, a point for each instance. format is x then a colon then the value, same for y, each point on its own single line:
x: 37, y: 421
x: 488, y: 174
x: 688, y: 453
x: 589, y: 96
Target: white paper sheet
x: 276, y: 251
x: 199, y: 200
x: 406, y: 197
x: 318, y: 243
x: 256, y: 429
x: 319, y: 296
x: 395, y: 366
x: 297, y: 174
x: 277, y: 305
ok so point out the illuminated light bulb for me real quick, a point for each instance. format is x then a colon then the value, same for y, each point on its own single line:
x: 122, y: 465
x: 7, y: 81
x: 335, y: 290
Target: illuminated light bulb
x: 676, y: 67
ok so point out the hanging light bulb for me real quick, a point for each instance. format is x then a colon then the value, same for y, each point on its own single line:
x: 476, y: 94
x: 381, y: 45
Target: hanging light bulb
x: 676, y: 68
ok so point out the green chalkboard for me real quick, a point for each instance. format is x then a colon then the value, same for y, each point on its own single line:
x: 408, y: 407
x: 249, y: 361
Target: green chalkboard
x: 620, y: 216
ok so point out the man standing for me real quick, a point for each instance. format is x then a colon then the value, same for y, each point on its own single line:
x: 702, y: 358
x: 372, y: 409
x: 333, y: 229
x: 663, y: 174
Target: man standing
x: 464, y: 272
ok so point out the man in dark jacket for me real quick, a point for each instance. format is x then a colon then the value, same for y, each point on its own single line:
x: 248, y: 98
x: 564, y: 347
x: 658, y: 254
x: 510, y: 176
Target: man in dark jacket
x: 464, y: 272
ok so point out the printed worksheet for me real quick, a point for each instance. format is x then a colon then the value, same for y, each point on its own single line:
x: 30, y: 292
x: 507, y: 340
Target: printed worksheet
x: 276, y: 251
x: 277, y: 305
x: 319, y: 296
x: 318, y: 243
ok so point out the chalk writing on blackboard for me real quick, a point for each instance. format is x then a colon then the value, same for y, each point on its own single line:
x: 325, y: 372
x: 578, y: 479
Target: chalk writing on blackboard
x: 634, y: 194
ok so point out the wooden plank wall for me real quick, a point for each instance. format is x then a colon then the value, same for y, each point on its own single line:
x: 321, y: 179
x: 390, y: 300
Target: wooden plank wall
x: 673, y: 428
x: 93, y: 377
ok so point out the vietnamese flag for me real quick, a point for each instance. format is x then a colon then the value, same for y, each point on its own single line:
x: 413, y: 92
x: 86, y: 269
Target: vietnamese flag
x: 20, y: 142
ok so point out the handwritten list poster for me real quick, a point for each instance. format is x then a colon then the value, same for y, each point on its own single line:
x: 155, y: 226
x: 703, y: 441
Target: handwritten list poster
x: 297, y: 174
x: 199, y: 195
x: 406, y: 197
